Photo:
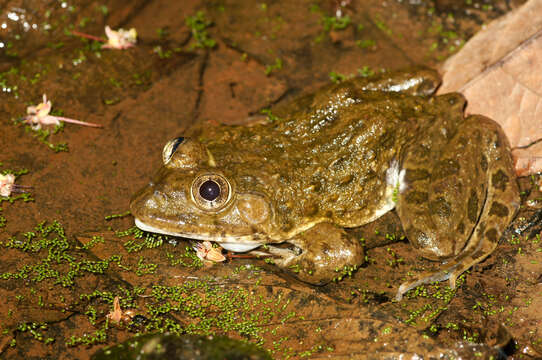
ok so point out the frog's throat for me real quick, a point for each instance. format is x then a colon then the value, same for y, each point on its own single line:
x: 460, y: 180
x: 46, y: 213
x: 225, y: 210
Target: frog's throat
x: 228, y: 242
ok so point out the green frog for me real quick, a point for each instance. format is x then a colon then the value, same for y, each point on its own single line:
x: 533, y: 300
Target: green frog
x: 340, y: 158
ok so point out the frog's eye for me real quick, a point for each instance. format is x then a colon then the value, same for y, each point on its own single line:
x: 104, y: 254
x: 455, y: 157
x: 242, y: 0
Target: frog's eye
x: 170, y: 149
x: 183, y: 153
x: 211, y: 192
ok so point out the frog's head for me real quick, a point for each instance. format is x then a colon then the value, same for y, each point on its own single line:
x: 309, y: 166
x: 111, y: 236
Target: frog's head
x: 190, y: 196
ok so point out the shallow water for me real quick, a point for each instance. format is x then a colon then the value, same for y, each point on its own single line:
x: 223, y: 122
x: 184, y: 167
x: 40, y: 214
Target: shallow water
x: 58, y: 286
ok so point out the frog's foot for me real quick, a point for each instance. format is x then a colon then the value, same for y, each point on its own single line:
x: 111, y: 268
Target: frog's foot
x: 451, y: 270
x: 321, y: 254
x: 427, y: 279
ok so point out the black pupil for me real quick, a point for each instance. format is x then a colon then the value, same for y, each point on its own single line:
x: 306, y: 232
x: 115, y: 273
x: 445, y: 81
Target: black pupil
x: 209, y: 190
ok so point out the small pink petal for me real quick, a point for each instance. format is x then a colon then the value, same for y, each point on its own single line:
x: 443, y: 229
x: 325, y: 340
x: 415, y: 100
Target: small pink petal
x: 215, y: 255
x: 6, y: 184
x: 39, y: 115
x: 49, y: 120
x: 109, y: 33
x: 120, y: 39
x: 31, y: 110
x: 43, y: 109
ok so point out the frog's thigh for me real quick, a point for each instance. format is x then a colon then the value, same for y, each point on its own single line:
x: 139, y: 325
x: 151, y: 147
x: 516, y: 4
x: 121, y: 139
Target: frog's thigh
x: 325, y: 251
x: 459, y: 205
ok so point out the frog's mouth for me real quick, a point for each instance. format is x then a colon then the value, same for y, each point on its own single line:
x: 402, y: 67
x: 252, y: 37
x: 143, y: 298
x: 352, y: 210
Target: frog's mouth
x: 229, y: 242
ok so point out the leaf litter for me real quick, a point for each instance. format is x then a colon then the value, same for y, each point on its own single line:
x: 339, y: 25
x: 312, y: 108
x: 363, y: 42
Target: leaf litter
x: 499, y: 72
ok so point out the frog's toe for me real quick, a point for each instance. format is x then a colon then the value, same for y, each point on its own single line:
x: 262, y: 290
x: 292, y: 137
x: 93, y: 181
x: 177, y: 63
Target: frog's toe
x: 452, y: 280
x: 402, y: 290
x: 426, y: 278
x: 282, y: 256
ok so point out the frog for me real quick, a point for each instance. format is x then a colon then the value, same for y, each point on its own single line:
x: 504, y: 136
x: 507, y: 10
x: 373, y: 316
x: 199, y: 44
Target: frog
x: 292, y: 184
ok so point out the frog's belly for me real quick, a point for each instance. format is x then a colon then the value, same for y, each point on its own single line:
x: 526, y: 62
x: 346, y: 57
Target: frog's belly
x: 395, y: 184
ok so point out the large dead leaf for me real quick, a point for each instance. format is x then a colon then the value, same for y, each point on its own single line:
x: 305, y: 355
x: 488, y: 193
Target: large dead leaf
x: 498, y: 71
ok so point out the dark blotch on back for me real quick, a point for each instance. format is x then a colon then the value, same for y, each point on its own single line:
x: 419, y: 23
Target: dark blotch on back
x: 472, y: 207
x: 500, y: 180
x: 483, y: 163
x: 491, y: 234
x: 416, y: 174
x: 445, y: 168
x: 498, y: 209
x: 461, y: 228
x: 417, y: 197
x: 387, y: 139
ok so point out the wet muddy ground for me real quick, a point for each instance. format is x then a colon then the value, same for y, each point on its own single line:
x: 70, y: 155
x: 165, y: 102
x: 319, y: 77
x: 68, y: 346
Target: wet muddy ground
x: 68, y: 249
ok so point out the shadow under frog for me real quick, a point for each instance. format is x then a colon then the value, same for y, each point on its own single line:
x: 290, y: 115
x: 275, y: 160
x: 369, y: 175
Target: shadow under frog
x: 341, y: 158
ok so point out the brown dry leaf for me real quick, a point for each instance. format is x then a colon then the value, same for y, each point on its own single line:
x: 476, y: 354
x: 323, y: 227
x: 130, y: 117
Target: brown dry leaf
x: 528, y: 160
x: 206, y: 251
x: 115, y: 315
x: 499, y: 72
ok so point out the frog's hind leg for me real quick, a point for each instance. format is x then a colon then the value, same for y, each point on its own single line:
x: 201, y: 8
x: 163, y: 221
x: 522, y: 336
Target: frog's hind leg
x: 458, y: 209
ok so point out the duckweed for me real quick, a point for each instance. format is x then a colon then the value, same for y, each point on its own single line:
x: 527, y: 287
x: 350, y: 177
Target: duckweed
x: 277, y: 65
x: 329, y: 23
x: 52, y: 239
x: 337, y: 77
x: 270, y: 116
x: 141, y: 239
x: 143, y: 268
x: 436, y: 291
x: 98, y: 337
x: 95, y: 240
x: 188, y: 259
x: 365, y: 71
x: 198, y: 24
x: 36, y: 330
x: 43, y: 136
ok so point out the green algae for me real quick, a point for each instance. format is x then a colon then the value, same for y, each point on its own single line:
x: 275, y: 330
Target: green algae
x: 59, y: 264
x: 198, y: 25
x: 277, y: 65
x: 329, y: 23
x: 203, y: 306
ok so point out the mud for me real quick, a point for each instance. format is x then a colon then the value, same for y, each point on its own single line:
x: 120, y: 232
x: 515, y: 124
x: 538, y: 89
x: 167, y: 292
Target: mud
x: 58, y: 284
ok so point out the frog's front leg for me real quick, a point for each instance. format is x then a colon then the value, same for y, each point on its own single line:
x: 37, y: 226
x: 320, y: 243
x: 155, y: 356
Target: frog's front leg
x: 324, y: 252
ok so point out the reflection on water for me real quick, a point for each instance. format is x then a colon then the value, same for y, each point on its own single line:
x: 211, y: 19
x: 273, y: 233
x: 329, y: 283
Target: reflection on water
x: 18, y: 18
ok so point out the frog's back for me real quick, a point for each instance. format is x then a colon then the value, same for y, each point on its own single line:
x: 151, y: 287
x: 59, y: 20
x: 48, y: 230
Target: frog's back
x: 329, y: 159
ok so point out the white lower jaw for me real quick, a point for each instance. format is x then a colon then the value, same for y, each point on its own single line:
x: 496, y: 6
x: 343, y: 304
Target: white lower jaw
x: 231, y: 243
